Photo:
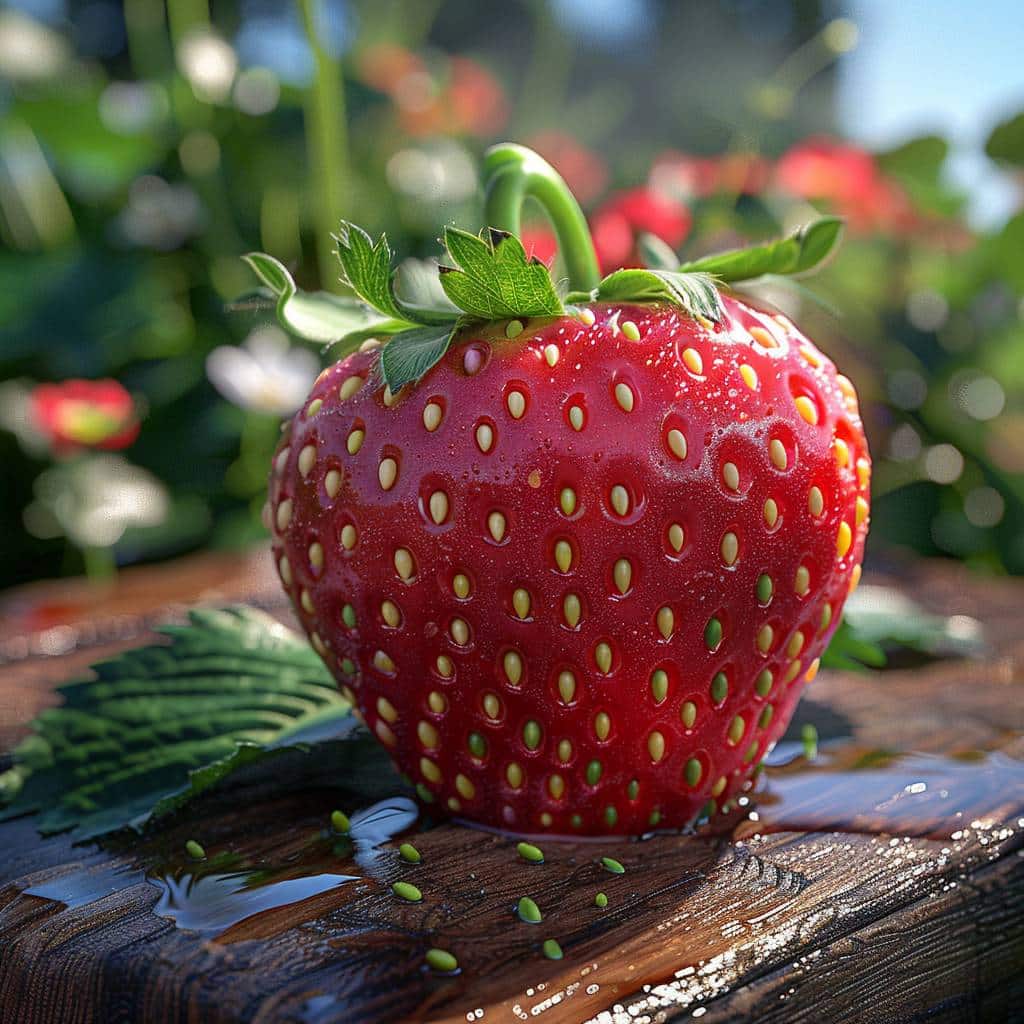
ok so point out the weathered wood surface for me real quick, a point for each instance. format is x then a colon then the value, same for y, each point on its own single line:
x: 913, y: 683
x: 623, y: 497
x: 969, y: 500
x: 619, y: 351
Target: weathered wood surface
x: 889, y: 894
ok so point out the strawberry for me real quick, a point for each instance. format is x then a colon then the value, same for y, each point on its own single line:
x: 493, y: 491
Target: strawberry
x: 576, y: 572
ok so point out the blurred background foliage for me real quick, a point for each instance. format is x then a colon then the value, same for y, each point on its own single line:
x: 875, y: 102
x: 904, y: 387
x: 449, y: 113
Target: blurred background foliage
x: 145, y: 146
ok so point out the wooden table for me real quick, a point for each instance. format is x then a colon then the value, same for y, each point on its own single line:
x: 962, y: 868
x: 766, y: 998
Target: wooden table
x: 884, y: 883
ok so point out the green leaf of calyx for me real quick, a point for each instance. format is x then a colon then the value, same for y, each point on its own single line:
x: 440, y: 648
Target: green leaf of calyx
x: 798, y: 253
x: 695, y: 292
x: 314, y: 316
x: 367, y: 270
x: 409, y: 355
x: 494, y: 279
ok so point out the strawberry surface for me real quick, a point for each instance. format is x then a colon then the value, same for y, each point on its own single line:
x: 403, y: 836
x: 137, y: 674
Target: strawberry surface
x: 575, y: 579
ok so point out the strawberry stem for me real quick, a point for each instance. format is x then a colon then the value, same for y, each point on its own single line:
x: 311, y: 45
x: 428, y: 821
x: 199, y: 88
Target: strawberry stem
x: 512, y: 174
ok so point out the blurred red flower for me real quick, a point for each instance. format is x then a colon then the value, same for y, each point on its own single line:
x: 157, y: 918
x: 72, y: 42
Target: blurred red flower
x: 475, y: 99
x: 617, y: 225
x: 386, y: 65
x: 584, y: 171
x: 78, y: 414
x: 539, y: 242
x: 849, y: 179
x: 685, y: 177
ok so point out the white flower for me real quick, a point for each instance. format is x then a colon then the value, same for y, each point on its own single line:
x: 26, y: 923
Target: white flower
x: 263, y: 373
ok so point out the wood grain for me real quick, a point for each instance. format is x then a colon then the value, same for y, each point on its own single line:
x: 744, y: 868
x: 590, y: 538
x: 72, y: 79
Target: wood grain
x: 849, y: 899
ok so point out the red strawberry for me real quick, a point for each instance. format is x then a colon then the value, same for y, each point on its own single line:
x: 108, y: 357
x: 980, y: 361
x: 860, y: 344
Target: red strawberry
x: 575, y: 581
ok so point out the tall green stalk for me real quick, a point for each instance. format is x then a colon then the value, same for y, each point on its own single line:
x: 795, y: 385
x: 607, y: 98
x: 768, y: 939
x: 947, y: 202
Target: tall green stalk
x: 327, y: 143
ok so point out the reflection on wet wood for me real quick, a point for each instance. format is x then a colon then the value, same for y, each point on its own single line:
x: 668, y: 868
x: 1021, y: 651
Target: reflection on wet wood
x: 883, y: 882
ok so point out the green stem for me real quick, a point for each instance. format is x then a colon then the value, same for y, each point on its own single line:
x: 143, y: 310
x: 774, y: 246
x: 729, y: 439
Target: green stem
x: 514, y: 173
x: 100, y: 564
x: 326, y: 139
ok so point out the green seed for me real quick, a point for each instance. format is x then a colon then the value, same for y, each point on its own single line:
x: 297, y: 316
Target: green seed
x: 612, y: 865
x: 348, y: 666
x: 424, y: 794
x: 736, y: 729
x: 348, y: 616
x: 513, y: 329
x: 710, y: 809
x: 826, y: 617
x: 751, y: 752
x: 340, y: 822
x: 633, y: 789
x: 688, y: 713
x: 765, y: 588
x: 659, y: 685
x: 764, y: 683
x: 406, y: 891
x: 655, y: 817
x: 441, y: 960
x: 528, y: 911
x: 712, y: 634
x: 409, y: 853
x: 694, y: 770
x: 719, y: 687
x: 593, y: 773
x: 766, y: 716
x: 530, y: 853
x: 531, y: 735
x: 611, y: 816
x: 477, y: 745
x: 809, y: 736
x: 600, y: 900
x: 552, y: 950
x: 194, y: 850
x: 576, y: 821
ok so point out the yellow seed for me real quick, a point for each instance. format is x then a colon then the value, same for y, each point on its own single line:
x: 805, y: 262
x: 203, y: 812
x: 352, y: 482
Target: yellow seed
x: 439, y: 507
x: 603, y: 657
x: 386, y: 710
x: 514, y: 774
x: 624, y: 397
x: 692, y: 361
x: 763, y: 337
x: 792, y: 671
x: 708, y: 325
x: 566, y: 686
x: 453, y: 804
x: 459, y: 632
x: 812, y: 670
x: 795, y: 645
x: 563, y: 555
x: 730, y: 548
x: 370, y: 344
x: 765, y: 635
x: 802, y: 582
x: 688, y: 714
x: 429, y: 770
x: 631, y: 331
x: 516, y: 404
x: 521, y: 602
x: 551, y: 354
x: 842, y: 452
x: 460, y: 584
x: 623, y: 575
x: 318, y: 644
x: 844, y: 539
x: 484, y: 437
x: 587, y: 317
x: 383, y: 662
x: 862, y: 511
x: 285, y: 568
x: 810, y: 356
x: 749, y: 375
x: 404, y: 564
x: 445, y: 668
x: 307, y: 459
x: 855, y: 578
x: 676, y: 537
x: 466, y: 788
x: 354, y: 441
x: 666, y: 621
x: 428, y: 735
x: 284, y: 514
x: 387, y: 473
x: 777, y: 453
x: 492, y: 705
x: 659, y: 685
x: 432, y: 415
x: 314, y: 407
x: 390, y: 614
x: 567, y: 501
x: 807, y: 409
x: 332, y: 483
x: 571, y: 609
x: 513, y: 665
x: 576, y: 417
x: 771, y: 512
x: 349, y: 536
x: 564, y: 751
x: 731, y: 476
x: 602, y: 725
x: 815, y: 502
x: 736, y: 729
x: 307, y: 602
x: 863, y: 473
x: 384, y: 733
x: 349, y: 387
x: 677, y: 443
x: 390, y: 398
x: 620, y: 499
x: 282, y: 459
x: 656, y: 746
x: 719, y: 787
x: 496, y: 524
x: 316, y: 556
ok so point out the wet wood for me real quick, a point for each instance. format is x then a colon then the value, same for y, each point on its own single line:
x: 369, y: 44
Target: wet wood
x: 857, y: 895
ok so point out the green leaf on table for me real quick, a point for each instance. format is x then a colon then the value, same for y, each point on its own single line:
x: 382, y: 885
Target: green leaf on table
x: 315, y: 316
x: 798, y: 253
x: 129, y: 738
x: 696, y: 293
x: 409, y: 355
x: 495, y: 279
x: 851, y: 652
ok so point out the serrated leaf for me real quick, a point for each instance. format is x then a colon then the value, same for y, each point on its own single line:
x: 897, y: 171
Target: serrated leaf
x: 695, y: 292
x: 494, y: 279
x: 315, y: 316
x: 408, y: 356
x: 129, y: 738
x: 799, y: 253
